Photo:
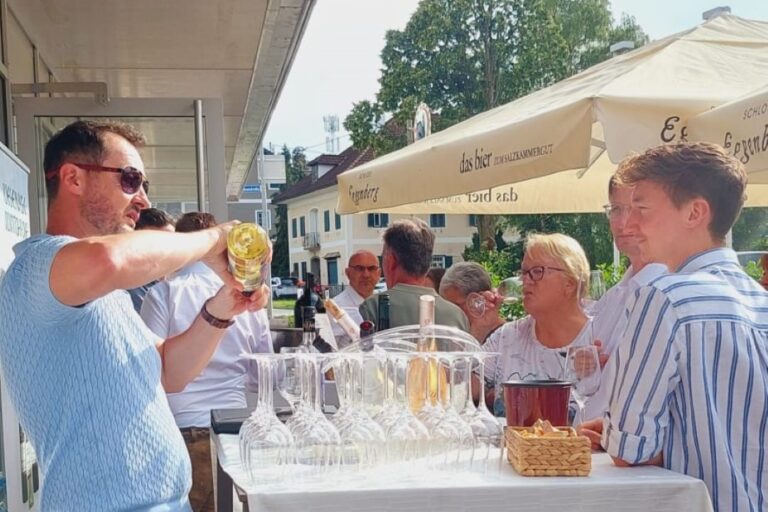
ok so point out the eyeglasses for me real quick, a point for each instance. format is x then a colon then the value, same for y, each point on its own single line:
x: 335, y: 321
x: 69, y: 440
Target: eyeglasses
x: 537, y: 273
x: 363, y: 268
x: 131, y: 179
x: 616, y: 211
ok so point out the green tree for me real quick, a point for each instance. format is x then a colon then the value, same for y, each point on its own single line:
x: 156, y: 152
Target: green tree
x: 295, y: 165
x: 463, y: 57
x: 750, y: 233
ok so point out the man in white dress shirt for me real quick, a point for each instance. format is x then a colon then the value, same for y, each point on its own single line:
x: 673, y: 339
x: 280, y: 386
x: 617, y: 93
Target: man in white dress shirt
x: 169, y: 308
x: 363, y: 273
x: 610, y: 312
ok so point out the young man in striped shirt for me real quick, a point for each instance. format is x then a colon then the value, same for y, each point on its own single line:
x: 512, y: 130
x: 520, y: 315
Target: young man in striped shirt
x: 690, y: 379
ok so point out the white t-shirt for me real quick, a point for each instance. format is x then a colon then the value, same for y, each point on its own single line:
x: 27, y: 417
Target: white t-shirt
x: 610, y: 322
x: 523, y: 357
x: 169, y: 309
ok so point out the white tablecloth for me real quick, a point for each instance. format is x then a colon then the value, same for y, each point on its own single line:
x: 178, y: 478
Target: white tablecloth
x: 608, y: 488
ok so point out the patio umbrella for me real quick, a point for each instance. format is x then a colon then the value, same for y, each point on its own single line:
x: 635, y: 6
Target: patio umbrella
x: 741, y: 127
x: 583, y: 125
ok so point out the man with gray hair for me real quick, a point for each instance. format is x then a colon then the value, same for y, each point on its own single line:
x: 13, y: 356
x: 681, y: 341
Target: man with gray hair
x: 468, y: 282
x: 406, y: 258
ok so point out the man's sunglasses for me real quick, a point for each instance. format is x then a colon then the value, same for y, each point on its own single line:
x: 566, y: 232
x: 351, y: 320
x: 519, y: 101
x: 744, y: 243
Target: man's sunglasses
x: 130, y: 177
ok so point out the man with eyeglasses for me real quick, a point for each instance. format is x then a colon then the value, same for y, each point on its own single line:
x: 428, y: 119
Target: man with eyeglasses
x: 609, y: 318
x: 690, y: 382
x: 363, y: 273
x: 86, y: 376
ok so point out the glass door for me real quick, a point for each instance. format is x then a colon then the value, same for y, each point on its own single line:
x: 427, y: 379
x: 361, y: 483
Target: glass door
x: 184, y: 156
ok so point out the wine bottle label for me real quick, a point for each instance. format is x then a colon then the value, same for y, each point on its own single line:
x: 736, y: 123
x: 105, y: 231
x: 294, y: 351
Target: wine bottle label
x: 333, y: 309
x: 247, y: 251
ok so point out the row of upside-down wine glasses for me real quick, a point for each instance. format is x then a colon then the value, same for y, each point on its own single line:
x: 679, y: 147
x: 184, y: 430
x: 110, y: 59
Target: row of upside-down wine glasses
x: 412, y: 409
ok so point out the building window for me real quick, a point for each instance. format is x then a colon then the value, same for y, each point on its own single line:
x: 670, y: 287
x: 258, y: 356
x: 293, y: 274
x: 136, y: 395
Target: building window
x: 302, y: 226
x: 260, y: 219
x: 437, y: 220
x: 442, y: 260
x: 296, y: 270
x: 303, y: 270
x: 473, y: 220
x: 293, y: 227
x: 326, y: 221
x: 378, y: 220
x: 275, y: 186
x: 338, y: 221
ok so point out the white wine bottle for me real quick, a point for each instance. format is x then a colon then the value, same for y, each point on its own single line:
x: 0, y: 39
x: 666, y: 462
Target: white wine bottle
x: 247, y: 250
x: 343, y: 319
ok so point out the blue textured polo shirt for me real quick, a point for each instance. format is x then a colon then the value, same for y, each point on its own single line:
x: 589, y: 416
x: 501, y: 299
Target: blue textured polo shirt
x: 85, y: 382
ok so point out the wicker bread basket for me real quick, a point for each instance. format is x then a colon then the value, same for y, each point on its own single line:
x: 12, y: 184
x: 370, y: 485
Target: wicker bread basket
x: 548, y: 456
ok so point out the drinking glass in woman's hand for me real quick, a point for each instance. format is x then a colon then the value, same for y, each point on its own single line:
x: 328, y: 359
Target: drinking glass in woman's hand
x: 480, y: 303
x: 511, y: 289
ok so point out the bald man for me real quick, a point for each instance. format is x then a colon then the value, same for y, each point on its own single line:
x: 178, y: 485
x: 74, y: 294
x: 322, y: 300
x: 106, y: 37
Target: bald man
x: 363, y: 273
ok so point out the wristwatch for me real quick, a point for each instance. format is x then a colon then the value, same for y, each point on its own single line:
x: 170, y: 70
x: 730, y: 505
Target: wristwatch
x: 215, y: 322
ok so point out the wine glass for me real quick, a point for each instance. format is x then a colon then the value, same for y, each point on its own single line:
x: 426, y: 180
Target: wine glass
x: 510, y: 290
x: 317, y: 441
x: 362, y: 439
x: 596, y: 285
x: 455, y: 433
x: 594, y: 292
x: 266, y: 445
x: 487, y: 430
x: 582, y: 369
x: 406, y: 435
x: 289, y: 377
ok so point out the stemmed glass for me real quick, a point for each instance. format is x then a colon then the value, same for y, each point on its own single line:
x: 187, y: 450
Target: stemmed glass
x: 406, y: 435
x: 289, y: 377
x: 486, y: 429
x: 596, y: 285
x: 362, y: 438
x: 428, y: 384
x: 510, y: 290
x: 582, y: 369
x: 456, y: 433
x: 317, y: 441
x: 266, y: 445
x: 595, y: 291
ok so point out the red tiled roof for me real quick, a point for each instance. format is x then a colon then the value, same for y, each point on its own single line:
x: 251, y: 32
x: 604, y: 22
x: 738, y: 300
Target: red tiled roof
x: 346, y: 160
x: 326, y: 160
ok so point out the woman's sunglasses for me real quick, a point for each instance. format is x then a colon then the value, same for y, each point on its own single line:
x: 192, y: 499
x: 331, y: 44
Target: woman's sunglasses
x: 130, y: 177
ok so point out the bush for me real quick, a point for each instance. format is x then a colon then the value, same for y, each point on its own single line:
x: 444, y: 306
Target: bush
x: 753, y: 270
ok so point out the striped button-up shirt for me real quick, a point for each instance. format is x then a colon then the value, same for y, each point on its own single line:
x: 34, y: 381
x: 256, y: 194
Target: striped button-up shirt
x: 691, y: 379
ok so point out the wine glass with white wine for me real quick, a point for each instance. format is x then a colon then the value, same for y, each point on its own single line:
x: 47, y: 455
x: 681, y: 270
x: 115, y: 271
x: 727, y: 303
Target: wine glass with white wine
x: 510, y: 290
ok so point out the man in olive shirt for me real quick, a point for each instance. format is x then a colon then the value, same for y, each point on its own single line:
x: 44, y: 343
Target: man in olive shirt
x: 406, y: 259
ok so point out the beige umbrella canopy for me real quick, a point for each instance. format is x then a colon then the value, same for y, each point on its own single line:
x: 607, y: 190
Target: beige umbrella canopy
x: 558, y: 145
x: 741, y: 127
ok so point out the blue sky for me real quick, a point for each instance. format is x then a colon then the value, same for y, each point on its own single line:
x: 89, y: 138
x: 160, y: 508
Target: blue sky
x: 338, y: 61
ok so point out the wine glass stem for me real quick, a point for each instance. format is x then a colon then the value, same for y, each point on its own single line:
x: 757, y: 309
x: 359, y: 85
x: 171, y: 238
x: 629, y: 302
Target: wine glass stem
x: 318, y: 381
x: 579, y: 413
